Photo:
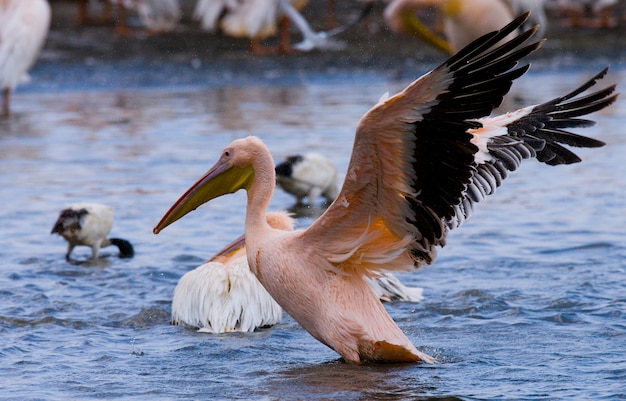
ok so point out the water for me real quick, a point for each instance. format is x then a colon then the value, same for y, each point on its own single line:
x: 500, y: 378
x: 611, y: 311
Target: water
x: 527, y: 300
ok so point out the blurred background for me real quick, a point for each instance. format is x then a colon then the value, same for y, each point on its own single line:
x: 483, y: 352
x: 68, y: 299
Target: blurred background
x: 187, y: 54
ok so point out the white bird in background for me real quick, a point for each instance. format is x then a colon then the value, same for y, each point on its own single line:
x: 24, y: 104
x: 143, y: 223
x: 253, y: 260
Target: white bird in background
x: 260, y: 19
x: 421, y: 159
x: 312, y: 40
x: 463, y: 20
x: 223, y: 295
x: 252, y: 19
x: 89, y: 224
x: 310, y: 175
x: 156, y: 16
x: 24, y: 26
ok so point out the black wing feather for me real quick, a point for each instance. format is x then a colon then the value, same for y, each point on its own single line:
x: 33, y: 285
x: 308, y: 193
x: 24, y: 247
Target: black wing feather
x: 444, y: 156
x: 539, y: 134
x: 448, y: 180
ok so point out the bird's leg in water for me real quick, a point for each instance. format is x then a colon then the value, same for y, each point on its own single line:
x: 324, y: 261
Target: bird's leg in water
x: 5, y: 101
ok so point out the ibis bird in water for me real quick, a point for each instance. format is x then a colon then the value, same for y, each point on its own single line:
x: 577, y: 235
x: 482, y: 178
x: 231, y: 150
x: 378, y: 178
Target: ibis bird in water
x: 421, y: 160
x: 308, y: 176
x: 24, y: 26
x: 89, y: 224
x: 222, y: 295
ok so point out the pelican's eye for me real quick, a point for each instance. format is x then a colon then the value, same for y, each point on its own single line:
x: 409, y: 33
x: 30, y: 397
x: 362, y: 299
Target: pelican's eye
x: 227, y: 153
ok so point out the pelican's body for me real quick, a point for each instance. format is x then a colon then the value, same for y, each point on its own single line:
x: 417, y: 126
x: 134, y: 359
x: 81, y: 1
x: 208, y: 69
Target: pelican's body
x: 89, y: 224
x: 463, y: 20
x: 421, y: 159
x: 252, y: 19
x: 260, y: 19
x: 24, y: 26
x: 308, y: 176
x: 222, y: 295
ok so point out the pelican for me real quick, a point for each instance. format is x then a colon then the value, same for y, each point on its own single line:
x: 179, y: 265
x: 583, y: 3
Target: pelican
x: 89, y: 224
x: 464, y: 20
x: 260, y: 19
x: 253, y: 19
x: 24, y: 26
x: 310, y: 175
x: 222, y: 295
x: 421, y: 159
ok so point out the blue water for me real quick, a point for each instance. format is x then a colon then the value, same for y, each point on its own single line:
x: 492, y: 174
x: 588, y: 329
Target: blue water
x: 527, y: 300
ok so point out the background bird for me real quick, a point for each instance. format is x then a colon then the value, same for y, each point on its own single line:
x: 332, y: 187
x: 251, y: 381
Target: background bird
x: 24, y: 26
x: 463, y: 20
x: 261, y: 19
x: 252, y: 19
x: 308, y: 176
x: 223, y: 295
x: 421, y: 159
x: 156, y: 16
x: 89, y: 224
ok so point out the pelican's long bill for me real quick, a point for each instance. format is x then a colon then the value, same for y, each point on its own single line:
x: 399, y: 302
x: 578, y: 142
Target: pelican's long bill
x: 416, y: 28
x: 223, y: 178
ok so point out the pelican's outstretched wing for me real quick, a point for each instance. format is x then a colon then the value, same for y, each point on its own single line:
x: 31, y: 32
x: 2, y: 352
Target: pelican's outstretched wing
x: 421, y: 157
x: 535, y: 131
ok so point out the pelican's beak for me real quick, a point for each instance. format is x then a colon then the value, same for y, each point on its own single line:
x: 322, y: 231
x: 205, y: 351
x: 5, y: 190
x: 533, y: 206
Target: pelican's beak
x: 221, y: 179
x: 229, y: 250
x: 415, y: 27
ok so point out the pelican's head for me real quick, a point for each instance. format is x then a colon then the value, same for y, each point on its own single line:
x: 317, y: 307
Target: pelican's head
x: 232, y: 172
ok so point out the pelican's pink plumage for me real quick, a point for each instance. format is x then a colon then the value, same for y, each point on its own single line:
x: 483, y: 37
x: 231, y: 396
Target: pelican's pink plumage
x: 222, y: 295
x: 420, y: 160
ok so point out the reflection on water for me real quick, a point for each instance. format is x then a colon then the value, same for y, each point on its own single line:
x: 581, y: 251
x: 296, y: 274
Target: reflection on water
x: 526, y: 300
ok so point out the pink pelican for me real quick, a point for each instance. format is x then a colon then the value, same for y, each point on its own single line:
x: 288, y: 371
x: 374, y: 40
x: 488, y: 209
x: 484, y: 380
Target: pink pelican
x: 421, y: 159
x: 24, y: 26
x: 463, y: 20
x: 222, y: 295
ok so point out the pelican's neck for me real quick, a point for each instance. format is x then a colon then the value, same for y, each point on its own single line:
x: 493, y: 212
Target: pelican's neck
x: 260, y: 194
